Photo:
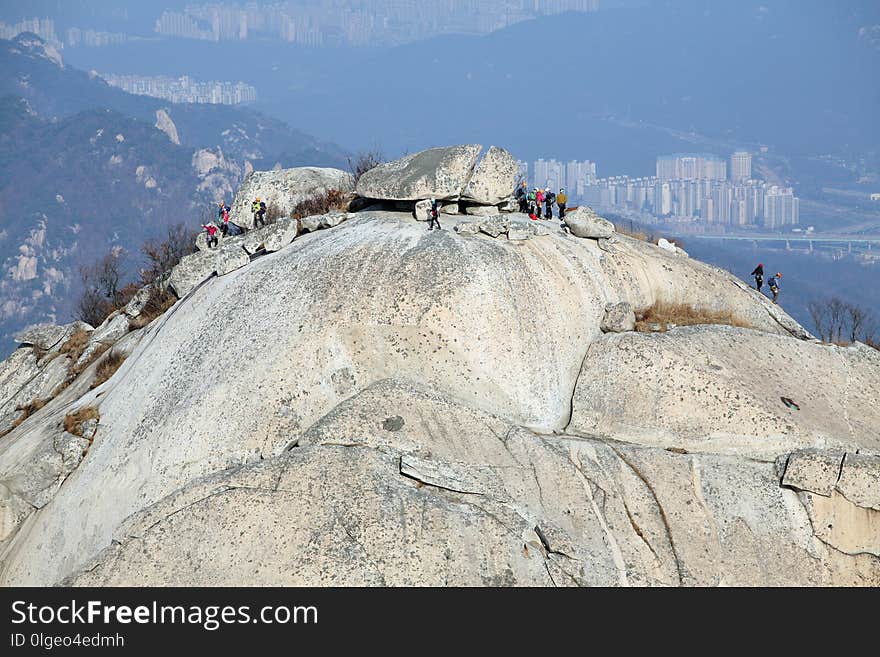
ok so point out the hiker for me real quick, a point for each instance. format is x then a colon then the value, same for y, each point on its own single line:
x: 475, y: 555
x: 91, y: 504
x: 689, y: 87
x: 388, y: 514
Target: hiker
x: 258, y: 207
x: 561, y: 200
x: 539, y: 201
x: 549, y: 200
x: 434, y: 215
x: 522, y: 196
x: 530, y: 201
x: 211, y: 229
x: 758, y: 273
x: 774, y: 286
x: 222, y: 214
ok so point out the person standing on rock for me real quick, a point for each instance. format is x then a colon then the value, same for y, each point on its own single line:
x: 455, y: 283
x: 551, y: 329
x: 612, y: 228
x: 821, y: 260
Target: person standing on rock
x: 549, y: 200
x: 222, y: 210
x: 434, y: 215
x: 539, y: 202
x: 561, y: 201
x: 211, y: 229
x: 758, y: 273
x: 259, y: 209
x: 774, y: 286
x: 531, y: 203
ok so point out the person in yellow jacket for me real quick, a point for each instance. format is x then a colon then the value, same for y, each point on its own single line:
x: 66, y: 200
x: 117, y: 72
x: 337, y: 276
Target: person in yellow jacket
x: 561, y: 200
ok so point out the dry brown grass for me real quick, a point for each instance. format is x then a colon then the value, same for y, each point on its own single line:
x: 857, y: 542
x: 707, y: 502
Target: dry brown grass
x: 108, y: 367
x: 681, y: 314
x: 75, y: 345
x: 159, y: 301
x: 76, y: 370
x: 333, y: 199
x: 73, y: 422
x: 26, y: 411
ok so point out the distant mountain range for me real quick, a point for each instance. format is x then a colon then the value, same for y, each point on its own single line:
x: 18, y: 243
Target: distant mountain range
x: 84, y: 167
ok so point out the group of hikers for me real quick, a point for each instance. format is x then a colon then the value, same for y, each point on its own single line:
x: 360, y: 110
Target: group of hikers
x: 538, y: 203
x: 758, y: 273
x: 229, y: 228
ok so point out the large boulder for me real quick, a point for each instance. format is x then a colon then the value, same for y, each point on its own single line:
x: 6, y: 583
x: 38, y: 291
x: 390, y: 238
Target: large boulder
x: 197, y: 267
x: 619, y: 318
x: 714, y: 388
x: 584, y: 222
x: 291, y: 430
x: 493, y: 179
x: 285, y: 188
x: 419, y: 489
x: 440, y: 173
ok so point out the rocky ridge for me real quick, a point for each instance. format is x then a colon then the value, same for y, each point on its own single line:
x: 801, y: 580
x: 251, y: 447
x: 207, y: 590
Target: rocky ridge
x: 392, y: 406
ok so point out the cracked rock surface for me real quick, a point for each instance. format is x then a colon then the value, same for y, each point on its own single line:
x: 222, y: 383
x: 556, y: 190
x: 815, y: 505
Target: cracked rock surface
x: 389, y: 405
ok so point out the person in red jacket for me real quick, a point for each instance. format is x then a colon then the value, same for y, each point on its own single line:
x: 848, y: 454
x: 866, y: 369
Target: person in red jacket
x: 539, y: 202
x: 212, y: 230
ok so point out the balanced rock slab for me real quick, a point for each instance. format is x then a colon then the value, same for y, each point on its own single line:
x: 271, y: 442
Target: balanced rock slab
x: 439, y: 173
x: 493, y: 179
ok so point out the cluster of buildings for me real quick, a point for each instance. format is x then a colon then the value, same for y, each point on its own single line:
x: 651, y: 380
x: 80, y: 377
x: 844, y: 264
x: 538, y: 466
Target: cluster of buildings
x: 185, y: 89
x: 368, y: 22
x: 699, y: 187
x: 42, y: 27
x: 74, y: 36
x: 575, y: 175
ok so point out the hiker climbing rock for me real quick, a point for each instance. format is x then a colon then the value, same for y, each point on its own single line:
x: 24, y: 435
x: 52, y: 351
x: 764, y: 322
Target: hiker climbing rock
x: 258, y: 207
x: 561, y: 201
x: 212, y: 230
x: 758, y: 273
x: 434, y: 215
x: 774, y: 286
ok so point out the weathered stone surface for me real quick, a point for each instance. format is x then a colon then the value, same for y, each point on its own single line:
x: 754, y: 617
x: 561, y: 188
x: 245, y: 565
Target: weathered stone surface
x: 285, y: 188
x: 485, y: 450
x: 619, y: 317
x: 310, y: 224
x: 197, y: 267
x: 860, y: 480
x: 813, y: 470
x: 467, y: 228
x: 584, y: 222
x: 419, y: 489
x: 449, y: 208
x: 494, y: 226
x: 519, y: 233
x: 666, y: 245
x: 137, y: 303
x: 270, y: 238
x: 493, y: 179
x: 42, y: 336
x: 423, y: 210
x: 113, y: 328
x: 715, y: 388
x: 439, y: 173
x: 482, y: 211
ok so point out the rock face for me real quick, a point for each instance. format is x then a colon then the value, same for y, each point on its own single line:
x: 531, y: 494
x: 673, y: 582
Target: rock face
x: 440, y: 173
x: 285, y: 188
x: 584, y: 222
x: 493, y: 179
x: 395, y: 406
x: 619, y: 318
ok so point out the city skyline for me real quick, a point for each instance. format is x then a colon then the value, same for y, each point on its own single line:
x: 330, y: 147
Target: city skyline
x: 184, y: 89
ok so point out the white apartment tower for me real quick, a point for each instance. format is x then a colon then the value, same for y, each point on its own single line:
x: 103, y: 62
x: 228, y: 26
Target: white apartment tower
x: 740, y: 166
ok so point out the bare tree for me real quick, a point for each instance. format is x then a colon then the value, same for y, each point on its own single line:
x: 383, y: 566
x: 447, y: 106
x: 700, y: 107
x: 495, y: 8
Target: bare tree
x: 363, y: 162
x: 839, y: 321
x: 163, y: 255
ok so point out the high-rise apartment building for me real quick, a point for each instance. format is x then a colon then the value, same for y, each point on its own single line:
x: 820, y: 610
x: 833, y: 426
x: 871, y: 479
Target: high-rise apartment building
x: 740, y: 166
x: 781, y: 207
x: 691, y: 166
